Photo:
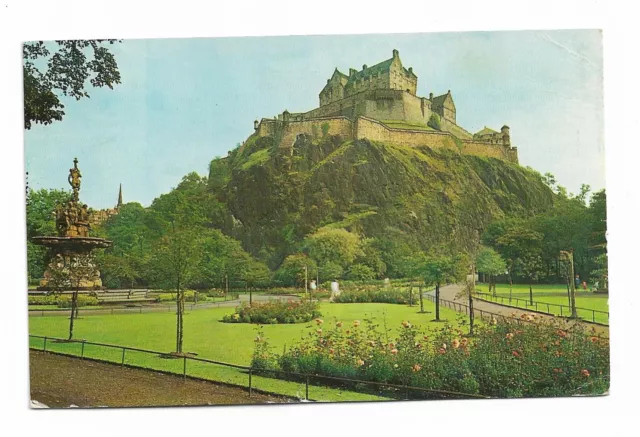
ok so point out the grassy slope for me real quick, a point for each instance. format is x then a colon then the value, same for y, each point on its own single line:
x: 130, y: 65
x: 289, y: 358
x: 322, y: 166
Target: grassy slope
x: 212, y: 339
x: 555, y: 294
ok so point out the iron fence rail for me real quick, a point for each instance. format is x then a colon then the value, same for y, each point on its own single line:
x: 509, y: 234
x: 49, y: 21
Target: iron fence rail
x: 539, y: 307
x: 355, y: 384
x: 464, y: 308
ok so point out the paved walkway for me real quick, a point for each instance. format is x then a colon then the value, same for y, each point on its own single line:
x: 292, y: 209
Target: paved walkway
x: 452, y: 293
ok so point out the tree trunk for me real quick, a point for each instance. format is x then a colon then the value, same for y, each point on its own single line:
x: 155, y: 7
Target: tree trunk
x: 74, y: 303
x: 437, y: 301
x: 421, y: 300
x: 411, y: 296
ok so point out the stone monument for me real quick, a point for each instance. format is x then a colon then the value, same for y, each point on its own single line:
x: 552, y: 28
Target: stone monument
x: 73, y: 246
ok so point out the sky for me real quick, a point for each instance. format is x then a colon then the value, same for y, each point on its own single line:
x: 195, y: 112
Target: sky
x: 183, y: 102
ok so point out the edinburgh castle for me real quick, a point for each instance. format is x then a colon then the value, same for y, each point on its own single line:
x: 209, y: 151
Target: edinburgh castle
x: 379, y: 103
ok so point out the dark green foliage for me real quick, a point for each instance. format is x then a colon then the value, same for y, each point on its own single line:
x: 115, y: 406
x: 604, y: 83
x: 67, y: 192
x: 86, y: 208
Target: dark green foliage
x: 360, y: 272
x: 292, y: 270
x: 434, y: 122
x: 68, y: 69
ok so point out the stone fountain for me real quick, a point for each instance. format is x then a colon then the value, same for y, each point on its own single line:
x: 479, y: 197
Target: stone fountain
x: 73, y: 245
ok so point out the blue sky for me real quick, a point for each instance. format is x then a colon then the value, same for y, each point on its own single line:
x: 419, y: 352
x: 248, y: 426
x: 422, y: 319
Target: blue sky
x: 183, y: 102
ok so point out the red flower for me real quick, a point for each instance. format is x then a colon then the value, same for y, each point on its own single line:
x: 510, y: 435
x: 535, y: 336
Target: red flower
x: 515, y: 354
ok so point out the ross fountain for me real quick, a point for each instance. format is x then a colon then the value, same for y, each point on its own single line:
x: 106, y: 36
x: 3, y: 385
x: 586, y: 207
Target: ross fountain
x: 70, y: 252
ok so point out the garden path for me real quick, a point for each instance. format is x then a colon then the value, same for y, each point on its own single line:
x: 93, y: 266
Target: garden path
x: 453, y: 293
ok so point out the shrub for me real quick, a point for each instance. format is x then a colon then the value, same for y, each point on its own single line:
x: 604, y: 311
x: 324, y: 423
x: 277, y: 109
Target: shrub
x: 434, y: 122
x: 273, y: 312
x: 189, y: 296
x: 542, y: 358
x: 63, y: 301
x: 369, y: 294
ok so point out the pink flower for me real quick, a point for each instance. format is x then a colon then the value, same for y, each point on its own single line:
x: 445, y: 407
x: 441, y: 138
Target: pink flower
x: 515, y: 354
x: 416, y: 367
x: 585, y: 373
x: 509, y: 335
x: 442, y: 350
x: 394, y: 351
x: 455, y: 343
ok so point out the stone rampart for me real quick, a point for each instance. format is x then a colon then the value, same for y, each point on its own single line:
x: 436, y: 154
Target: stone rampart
x: 367, y: 128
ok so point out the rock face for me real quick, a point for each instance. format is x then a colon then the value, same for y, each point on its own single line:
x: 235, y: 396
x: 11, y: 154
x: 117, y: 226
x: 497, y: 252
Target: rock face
x: 274, y: 196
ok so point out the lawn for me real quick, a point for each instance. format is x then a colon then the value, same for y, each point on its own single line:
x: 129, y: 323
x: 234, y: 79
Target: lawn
x: 207, y: 336
x: 554, y: 295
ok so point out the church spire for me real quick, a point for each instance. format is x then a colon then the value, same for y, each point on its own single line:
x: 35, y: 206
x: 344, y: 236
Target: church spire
x: 119, y: 198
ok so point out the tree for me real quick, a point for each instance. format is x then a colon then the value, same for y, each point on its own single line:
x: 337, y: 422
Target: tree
x: 67, y: 70
x: 41, y: 205
x: 175, y: 262
x: 333, y: 245
x: 490, y: 263
x: 68, y: 272
x: 442, y: 269
x: 292, y: 270
x: 360, y: 272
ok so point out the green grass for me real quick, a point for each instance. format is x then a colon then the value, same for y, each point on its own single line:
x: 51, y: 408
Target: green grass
x: 555, y: 294
x: 207, y: 336
x: 256, y: 158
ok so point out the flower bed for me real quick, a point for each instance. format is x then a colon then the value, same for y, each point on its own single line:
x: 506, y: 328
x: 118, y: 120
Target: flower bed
x: 374, y: 294
x: 273, y: 312
x: 544, y: 358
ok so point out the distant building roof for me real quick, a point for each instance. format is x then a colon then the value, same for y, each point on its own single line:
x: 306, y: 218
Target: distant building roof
x: 486, y: 131
x: 439, y: 100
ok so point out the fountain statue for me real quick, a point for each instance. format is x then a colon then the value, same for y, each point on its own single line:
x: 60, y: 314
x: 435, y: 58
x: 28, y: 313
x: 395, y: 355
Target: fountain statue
x: 72, y: 246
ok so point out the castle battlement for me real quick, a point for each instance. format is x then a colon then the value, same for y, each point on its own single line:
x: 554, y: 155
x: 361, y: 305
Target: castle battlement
x: 386, y: 94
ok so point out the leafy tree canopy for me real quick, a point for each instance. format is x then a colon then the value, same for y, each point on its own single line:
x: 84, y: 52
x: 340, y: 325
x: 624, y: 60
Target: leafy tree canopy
x: 62, y: 68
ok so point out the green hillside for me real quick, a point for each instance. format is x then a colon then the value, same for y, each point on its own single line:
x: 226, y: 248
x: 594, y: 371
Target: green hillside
x: 270, y: 198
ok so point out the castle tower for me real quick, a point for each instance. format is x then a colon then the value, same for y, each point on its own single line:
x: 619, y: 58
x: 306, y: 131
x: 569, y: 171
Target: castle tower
x: 506, y: 136
x: 119, y: 198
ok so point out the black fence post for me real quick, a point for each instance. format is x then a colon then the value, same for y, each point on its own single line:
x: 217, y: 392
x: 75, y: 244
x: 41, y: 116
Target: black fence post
x: 594, y: 316
x: 560, y: 310
x: 82, y: 350
x: 250, y: 388
x: 306, y: 391
x: 44, y: 347
x: 123, y: 350
x: 406, y: 392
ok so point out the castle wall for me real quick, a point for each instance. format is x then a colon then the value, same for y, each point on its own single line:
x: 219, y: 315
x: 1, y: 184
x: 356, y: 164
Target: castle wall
x: 376, y: 131
x: 371, y: 129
